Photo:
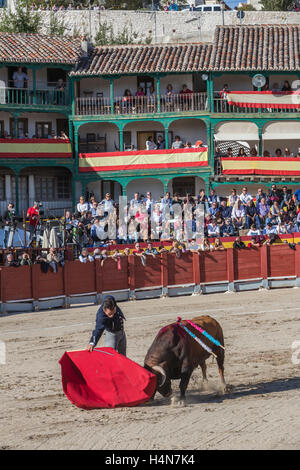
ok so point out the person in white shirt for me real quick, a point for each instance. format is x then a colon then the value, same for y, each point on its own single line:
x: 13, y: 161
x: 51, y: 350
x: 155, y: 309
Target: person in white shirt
x: 150, y: 144
x: 213, y: 229
x: 82, y: 206
x: 85, y: 257
x: 253, y: 231
x: 108, y: 203
x: 270, y: 229
x: 238, y: 214
x: 245, y: 196
x: 233, y: 197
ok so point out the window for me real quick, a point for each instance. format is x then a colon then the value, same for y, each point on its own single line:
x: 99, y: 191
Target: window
x: 2, y: 187
x: 44, y: 188
x: 207, y: 9
x: 217, y: 8
x: 145, y: 82
x: 43, y: 129
x: 53, y: 75
x: 63, y: 187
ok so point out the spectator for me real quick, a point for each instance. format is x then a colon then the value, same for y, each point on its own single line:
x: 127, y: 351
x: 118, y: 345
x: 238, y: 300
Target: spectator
x: 140, y: 92
x: 53, y: 259
x: 173, y: 6
x: 150, y: 250
x: 251, y: 214
x: 10, y: 262
x: 25, y: 260
x: 260, y: 195
x: 177, y: 144
x: 218, y: 245
x: 233, y: 197
x: 242, y: 152
x: 253, y: 231
x: 212, y: 229
x: 263, y: 210
x: 278, y: 153
x: 20, y: 78
x: 108, y: 204
x: 253, y: 152
x: 245, y: 196
x: 139, y: 252
x: 213, y: 197
x: 238, y: 243
x: 85, y: 257
x: 206, y: 246
x: 227, y: 229
x: 82, y: 206
x: 238, y: 215
x: 286, y: 86
x: 150, y: 144
x: 160, y: 143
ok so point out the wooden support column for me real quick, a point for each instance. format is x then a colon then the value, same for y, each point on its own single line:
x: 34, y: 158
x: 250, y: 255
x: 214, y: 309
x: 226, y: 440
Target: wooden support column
x: 111, y: 95
x: 158, y: 93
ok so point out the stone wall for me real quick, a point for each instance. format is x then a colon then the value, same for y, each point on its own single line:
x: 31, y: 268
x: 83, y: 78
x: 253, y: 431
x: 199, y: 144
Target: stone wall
x: 165, y: 27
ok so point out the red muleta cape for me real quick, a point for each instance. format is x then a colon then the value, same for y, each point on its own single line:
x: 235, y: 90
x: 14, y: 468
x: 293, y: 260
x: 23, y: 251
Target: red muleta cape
x: 104, y: 378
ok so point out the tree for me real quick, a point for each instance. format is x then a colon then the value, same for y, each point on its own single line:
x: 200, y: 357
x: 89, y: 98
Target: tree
x: 105, y: 36
x: 276, y: 5
x: 21, y: 21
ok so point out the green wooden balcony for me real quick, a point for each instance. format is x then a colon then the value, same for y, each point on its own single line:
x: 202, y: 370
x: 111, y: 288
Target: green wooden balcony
x: 23, y: 97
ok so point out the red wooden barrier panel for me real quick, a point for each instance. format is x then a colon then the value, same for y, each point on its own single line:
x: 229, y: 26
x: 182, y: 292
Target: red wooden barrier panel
x: 281, y: 261
x: 247, y: 263
x: 79, y: 278
x: 213, y: 266
x: 48, y: 284
x: 109, y: 277
x: 16, y: 283
x: 149, y: 275
x: 180, y: 270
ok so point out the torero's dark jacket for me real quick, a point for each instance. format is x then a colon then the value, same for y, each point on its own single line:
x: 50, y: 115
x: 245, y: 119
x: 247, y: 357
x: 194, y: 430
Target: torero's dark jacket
x: 103, y: 322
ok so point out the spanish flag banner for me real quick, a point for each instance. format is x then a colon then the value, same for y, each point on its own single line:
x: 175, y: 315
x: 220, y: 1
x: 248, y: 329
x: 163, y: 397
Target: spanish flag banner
x: 264, y: 99
x: 143, y: 160
x: 260, y: 166
x: 33, y: 148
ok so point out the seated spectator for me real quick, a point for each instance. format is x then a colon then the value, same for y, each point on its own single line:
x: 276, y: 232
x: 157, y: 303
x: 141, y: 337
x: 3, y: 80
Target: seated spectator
x: 213, y: 210
x: 151, y: 250
x: 169, y: 92
x: 225, y: 210
x: 291, y: 227
x: 63, y: 135
x: 253, y: 152
x: 108, y: 204
x: 206, y: 246
x: 218, y: 245
x: 227, y: 229
x: 270, y: 229
x: 256, y: 241
x: 97, y: 254
x: 266, y: 153
x: 188, y: 145
x: 263, y: 210
x: 150, y: 144
x: 251, y: 214
x: 245, y: 196
x: 85, y: 256
x: 52, y: 135
x: 212, y: 229
x: 97, y: 232
x: 82, y: 206
x: 213, y: 197
x: 260, y: 195
x: 53, y: 259
x: 233, y: 197
x: 281, y: 228
x: 273, y: 195
x: 275, y: 209
x: 25, y: 260
x: 177, y: 144
x: 278, y: 153
x: 286, y: 198
x: 193, y: 246
x: 238, y: 243
x: 176, y: 248
x: 10, y: 262
x: 253, y: 231
x: 238, y: 215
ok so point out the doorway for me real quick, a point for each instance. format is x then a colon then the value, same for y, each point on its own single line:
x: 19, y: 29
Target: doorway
x: 184, y: 186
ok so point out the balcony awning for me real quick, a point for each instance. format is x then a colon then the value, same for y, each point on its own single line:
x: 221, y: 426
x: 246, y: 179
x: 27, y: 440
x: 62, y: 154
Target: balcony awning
x: 242, y: 130
x: 282, y: 131
x: 261, y: 166
x: 35, y: 148
x: 143, y: 160
x: 264, y: 99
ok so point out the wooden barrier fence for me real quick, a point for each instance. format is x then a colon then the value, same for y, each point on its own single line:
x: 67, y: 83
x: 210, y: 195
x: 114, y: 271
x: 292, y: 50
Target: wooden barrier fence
x: 28, y: 287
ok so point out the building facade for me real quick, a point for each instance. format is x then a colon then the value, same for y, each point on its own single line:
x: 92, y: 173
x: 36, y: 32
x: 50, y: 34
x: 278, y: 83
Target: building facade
x: 114, y: 99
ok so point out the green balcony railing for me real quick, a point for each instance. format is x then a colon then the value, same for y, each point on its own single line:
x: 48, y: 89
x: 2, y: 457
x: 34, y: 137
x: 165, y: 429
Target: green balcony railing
x: 26, y: 96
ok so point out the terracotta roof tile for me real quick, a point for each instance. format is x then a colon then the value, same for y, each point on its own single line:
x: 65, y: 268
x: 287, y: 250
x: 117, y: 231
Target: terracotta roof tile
x: 38, y: 48
x: 263, y: 47
x: 145, y: 59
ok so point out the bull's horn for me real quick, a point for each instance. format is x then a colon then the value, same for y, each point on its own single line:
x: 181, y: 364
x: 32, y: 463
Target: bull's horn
x: 161, y: 371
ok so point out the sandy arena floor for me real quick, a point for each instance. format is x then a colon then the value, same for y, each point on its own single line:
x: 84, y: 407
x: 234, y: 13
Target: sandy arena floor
x: 261, y: 412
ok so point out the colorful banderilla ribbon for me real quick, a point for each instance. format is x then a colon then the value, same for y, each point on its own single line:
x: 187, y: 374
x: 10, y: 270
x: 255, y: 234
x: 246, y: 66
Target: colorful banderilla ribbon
x: 207, y: 348
x: 213, y: 340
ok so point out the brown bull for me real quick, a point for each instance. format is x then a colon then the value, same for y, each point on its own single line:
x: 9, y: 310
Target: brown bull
x: 174, y: 354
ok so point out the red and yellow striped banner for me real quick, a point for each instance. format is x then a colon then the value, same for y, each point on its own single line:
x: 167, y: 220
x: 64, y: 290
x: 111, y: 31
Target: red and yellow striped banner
x: 264, y: 99
x: 143, y: 159
x: 33, y: 148
x: 261, y: 166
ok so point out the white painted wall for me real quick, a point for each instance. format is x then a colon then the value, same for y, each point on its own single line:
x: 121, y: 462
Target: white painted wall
x: 100, y: 129
x: 143, y: 185
x: 189, y: 130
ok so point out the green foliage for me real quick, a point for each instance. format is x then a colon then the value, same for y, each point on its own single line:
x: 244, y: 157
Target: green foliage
x: 22, y: 21
x: 57, y: 27
x: 247, y: 7
x: 105, y: 36
x: 276, y: 5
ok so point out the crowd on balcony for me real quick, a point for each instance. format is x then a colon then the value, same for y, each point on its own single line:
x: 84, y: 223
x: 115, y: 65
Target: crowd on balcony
x: 53, y: 135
